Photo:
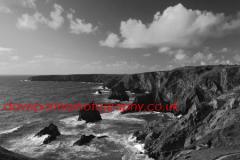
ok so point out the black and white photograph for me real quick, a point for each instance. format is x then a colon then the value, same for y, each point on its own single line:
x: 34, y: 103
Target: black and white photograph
x: 119, y: 79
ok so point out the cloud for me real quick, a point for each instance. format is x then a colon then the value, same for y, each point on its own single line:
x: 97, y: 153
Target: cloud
x: 177, y: 27
x: 57, y: 19
x: 111, y: 41
x: 31, y: 22
x: 29, y: 3
x: 227, y: 62
x: 5, y: 9
x: 124, y: 65
x: 237, y: 57
x: 6, y: 49
x: 14, y: 57
x: 182, y: 57
x: 156, y: 68
x: 146, y: 55
x: 39, y: 56
x: 95, y: 63
x: 164, y: 50
x: 224, y: 50
x: 80, y: 26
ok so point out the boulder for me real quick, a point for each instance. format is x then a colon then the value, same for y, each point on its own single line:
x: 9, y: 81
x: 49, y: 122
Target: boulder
x: 92, y: 115
x: 84, y: 139
x: 118, y: 92
x: 52, y: 131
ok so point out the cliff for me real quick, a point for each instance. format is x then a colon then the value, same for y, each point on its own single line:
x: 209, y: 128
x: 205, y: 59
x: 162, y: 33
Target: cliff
x: 108, y: 80
x: 8, y: 155
x: 208, y: 98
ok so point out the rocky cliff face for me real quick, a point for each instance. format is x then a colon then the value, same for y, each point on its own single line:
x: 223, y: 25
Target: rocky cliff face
x: 8, y: 155
x: 191, y: 85
x: 149, y: 81
x: 208, y: 99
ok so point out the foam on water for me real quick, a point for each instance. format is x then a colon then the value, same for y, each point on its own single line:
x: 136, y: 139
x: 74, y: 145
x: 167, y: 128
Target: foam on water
x: 116, y: 115
x: 134, y: 151
x: 72, y: 121
x: 70, y: 132
x: 98, y: 87
x: 10, y: 130
x: 30, y: 144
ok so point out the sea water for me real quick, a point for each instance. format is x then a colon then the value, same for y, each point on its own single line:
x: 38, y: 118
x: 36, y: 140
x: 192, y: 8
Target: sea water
x: 17, y: 128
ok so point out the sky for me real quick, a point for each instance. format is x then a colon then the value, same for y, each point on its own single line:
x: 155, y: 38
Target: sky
x: 49, y: 37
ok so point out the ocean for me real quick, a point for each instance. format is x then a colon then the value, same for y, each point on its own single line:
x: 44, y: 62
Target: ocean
x: 17, y: 128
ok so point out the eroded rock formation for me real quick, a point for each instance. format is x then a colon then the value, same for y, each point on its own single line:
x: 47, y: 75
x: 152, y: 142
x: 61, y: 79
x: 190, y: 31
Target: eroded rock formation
x: 118, y: 92
x: 89, y: 113
x: 52, y: 132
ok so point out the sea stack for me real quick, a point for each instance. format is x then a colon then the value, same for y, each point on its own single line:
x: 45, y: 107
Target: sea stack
x: 118, y: 92
x: 89, y: 113
x: 52, y: 131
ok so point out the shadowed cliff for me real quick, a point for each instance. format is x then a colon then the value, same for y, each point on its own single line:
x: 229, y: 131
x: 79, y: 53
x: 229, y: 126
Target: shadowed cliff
x: 8, y: 155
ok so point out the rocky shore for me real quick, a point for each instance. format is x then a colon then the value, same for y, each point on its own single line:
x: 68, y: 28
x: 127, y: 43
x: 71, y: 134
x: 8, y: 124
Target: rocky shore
x: 208, y: 101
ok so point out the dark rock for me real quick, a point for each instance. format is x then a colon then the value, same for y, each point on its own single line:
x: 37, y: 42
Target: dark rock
x: 99, y: 91
x: 49, y: 139
x: 8, y: 155
x: 137, y: 91
x: 118, y: 92
x: 84, y: 139
x: 51, y: 130
x: 143, y: 100
x: 92, y: 115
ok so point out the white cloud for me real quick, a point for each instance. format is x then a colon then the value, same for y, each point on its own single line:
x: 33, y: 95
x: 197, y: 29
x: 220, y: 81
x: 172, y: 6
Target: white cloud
x: 182, y: 57
x: 203, y: 63
x: 124, y: 65
x: 177, y: 27
x: 14, y: 57
x: 29, y: 3
x: 57, y: 19
x: 80, y: 26
x: 5, y: 9
x: 237, y: 57
x: 6, y: 49
x: 95, y: 63
x: 146, y: 55
x: 31, y: 22
x: 156, y: 68
x: 111, y: 41
x: 227, y: 62
x: 39, y: 56
x: 224, y: 50
x: 164, y: 50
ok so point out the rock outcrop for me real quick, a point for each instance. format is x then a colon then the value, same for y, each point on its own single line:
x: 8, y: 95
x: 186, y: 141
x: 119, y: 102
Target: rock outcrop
x: 84, y: 139
x: 52, y: 132
x: 118, y: 92
x: 8, y: 155
x: 89, y: 113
